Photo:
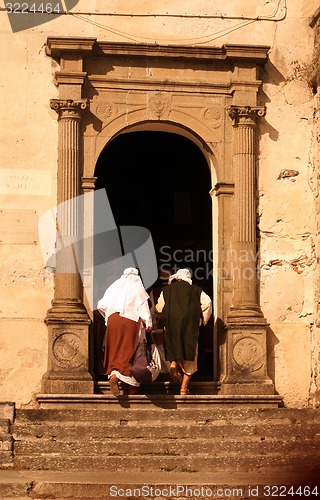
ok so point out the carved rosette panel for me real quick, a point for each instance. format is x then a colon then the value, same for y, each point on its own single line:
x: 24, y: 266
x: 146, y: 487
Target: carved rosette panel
x: 159, y: 105
x: 213, y: 115
x: 248, y: 354
x: 66, y: 350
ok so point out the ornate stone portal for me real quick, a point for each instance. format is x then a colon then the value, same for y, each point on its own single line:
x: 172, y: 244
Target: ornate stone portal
x: 206, y: 94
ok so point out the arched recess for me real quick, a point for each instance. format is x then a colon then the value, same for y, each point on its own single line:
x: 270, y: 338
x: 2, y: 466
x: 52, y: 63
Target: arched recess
x: 161, y: 178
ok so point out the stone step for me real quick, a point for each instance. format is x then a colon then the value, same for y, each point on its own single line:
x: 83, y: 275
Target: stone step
x: 152, y: 413
x: 165, y: 387
x: 164, y: 446
x: 6, y: 444
x: 164, y: 429
x: 191, y: 463
x: 103, y: 484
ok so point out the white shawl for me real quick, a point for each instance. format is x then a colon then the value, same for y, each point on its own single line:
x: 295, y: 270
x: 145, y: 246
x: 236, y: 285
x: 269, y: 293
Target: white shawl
x: 181, y: 274
x: 128, y: 297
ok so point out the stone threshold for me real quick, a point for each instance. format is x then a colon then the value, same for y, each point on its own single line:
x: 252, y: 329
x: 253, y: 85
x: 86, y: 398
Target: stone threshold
x: 166, y: 401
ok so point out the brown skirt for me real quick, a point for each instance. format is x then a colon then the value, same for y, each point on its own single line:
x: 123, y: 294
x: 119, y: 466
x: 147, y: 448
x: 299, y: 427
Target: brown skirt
x: 121, y: 342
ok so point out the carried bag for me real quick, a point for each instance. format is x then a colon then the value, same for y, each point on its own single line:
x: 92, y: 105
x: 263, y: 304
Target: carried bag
x: 146, y: 362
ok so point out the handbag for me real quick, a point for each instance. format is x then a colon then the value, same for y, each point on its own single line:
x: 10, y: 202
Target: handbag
x: 146, y: 361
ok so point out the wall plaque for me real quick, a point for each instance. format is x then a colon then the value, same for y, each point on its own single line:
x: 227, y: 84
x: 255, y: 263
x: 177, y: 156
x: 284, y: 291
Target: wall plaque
x: 15, y: 181
x: 18, y: 226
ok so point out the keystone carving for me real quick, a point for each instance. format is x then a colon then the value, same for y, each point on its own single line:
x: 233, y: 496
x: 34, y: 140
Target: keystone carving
x: 159, y: 105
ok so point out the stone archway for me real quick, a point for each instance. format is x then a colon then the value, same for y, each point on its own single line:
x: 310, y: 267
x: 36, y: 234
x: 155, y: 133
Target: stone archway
x: 106, y: 88
x: 160, y: 181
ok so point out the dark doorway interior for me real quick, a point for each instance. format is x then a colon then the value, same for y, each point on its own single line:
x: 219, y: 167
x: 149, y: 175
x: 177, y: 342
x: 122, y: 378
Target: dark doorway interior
x: 161, y: 181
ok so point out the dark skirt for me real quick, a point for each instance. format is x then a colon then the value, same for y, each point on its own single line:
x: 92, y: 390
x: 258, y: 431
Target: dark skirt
x: 121, y: 342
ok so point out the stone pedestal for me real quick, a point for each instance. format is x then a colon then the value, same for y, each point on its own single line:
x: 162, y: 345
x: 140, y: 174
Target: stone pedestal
x: 67, y: 320
x: 246, y: 349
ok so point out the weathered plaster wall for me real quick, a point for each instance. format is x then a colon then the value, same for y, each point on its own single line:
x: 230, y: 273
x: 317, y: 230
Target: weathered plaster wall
x: 287, y: 218
x: 315, y: 182
x: 287, y: 215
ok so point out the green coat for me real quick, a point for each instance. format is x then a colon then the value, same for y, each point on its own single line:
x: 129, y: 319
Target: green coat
x: 181, y: 318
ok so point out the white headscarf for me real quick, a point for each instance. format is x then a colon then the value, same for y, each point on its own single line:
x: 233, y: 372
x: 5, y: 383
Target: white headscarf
x: 124, y: 296
x: 181, y: 274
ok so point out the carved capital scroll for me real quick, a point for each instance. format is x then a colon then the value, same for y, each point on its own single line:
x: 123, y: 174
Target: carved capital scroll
x: 246, y: 115
x: 68, y: 108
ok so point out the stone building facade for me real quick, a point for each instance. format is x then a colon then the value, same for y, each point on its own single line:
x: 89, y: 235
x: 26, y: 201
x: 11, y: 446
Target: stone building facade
x: 237, y: 81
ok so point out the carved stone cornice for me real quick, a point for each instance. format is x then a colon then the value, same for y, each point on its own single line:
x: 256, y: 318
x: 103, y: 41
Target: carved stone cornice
x: 70, y: 77
x: 68, y: 108
x: 246, y: 114
x: 57, y: 46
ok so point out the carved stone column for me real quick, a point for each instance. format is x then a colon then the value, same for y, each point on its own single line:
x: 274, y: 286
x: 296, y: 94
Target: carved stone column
x: 67, y: 320
x: 246, y: 364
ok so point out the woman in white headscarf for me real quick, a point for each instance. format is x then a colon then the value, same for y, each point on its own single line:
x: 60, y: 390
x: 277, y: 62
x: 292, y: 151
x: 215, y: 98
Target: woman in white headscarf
x: 126, y: 312
x: 183, y: 307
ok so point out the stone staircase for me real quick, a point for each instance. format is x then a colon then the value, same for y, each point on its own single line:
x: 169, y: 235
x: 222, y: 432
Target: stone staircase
x: 79, y: 451
x: 158, y: 439
x: 6, y: 439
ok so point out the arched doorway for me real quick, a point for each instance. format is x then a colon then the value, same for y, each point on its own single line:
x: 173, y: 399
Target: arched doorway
x: 161, y: 181
x: 98, y: 100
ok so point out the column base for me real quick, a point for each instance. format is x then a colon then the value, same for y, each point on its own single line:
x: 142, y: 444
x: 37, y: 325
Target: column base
x: 68, y: 349
x: 260, y: 388
x: 246, y: 352
x: 66, y: 383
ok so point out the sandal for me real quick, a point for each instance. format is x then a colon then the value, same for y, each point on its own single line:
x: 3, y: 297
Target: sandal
x: 114, y: 386
x: 175, y: 374
x: 184, y: 392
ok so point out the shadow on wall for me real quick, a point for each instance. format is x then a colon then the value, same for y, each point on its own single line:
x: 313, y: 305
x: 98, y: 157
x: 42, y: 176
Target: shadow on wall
x: 270, y: 75
x: 272, y: 341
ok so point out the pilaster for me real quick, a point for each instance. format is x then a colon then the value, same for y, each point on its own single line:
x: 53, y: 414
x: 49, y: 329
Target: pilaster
x: 246, y: 346
x: 67, y: 320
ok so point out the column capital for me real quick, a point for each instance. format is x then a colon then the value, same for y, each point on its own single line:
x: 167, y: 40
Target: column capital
x: 246, y: 115
x: 68, y: 108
